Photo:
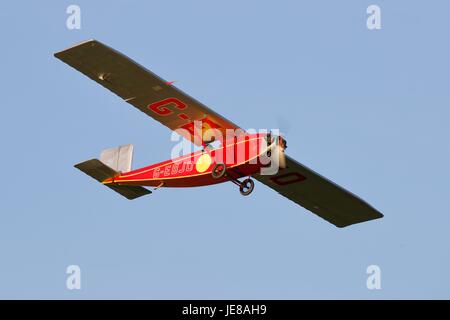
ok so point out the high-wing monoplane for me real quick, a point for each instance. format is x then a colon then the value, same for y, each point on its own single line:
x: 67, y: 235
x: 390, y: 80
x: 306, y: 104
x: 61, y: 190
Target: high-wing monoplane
x: 227, y: 152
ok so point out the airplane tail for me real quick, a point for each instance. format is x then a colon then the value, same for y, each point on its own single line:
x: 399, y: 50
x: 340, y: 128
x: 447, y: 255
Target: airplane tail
x: 112, y: 163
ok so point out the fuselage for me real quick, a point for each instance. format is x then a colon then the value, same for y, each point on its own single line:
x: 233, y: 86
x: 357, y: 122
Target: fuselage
x: 242, y: 156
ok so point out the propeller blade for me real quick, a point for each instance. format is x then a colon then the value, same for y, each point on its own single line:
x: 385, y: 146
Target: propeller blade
x: 278, y: 153
x: 281, y: 158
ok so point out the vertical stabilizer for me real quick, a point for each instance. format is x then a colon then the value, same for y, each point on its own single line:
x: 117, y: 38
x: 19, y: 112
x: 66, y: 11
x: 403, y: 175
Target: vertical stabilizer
x: 118, y: 158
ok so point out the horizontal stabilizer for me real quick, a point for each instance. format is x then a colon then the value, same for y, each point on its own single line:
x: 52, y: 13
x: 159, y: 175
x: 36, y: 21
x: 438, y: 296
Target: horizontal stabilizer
x: 97, y: 170
x: 100, y: 172
x: 129, y: 192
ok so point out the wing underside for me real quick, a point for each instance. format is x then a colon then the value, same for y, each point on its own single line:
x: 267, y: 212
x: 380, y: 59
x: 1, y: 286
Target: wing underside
x: 319, y: 195
x: 143, y: 89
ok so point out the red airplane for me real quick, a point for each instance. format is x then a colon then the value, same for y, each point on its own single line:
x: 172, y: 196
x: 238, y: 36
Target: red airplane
x: 238, y: 157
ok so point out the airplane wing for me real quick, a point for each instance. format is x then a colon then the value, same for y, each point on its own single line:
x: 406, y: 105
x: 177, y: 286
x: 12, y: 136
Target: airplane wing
x: 143, y: 89
x: 319, y: 195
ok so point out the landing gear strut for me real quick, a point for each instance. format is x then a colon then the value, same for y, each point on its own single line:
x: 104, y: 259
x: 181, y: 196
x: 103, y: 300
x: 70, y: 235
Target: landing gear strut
x: 220, y: 170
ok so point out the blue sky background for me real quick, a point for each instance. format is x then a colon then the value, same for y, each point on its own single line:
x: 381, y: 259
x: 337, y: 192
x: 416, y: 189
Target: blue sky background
x: 367, y: 109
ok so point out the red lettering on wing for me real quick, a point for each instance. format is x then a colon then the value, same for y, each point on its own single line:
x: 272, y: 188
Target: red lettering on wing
x: 288, y: 178
x: 161, y: 107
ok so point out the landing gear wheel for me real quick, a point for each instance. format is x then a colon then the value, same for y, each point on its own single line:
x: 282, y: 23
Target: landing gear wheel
x: 219, y: 170
x: 246, y: 187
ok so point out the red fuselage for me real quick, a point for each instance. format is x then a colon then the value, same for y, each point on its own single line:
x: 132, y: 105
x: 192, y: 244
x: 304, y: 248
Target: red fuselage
x: 241, y: 156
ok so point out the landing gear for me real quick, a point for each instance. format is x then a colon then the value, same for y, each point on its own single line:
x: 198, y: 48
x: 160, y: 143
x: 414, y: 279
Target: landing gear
x: 219, y: 170
x: 246, y: 187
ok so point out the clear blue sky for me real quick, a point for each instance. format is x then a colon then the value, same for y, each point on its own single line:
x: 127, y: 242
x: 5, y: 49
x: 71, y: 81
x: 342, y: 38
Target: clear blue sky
x: 368, y: 109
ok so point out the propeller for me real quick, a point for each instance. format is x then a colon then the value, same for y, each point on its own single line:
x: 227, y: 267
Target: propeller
x: 278, y: 150
x: 280, y: 147
x: 282, y: 158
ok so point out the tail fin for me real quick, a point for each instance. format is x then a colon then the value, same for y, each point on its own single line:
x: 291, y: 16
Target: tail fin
x: 120, y: 159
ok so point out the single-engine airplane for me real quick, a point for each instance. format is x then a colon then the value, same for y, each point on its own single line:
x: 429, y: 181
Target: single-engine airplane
x: 194, y: 121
